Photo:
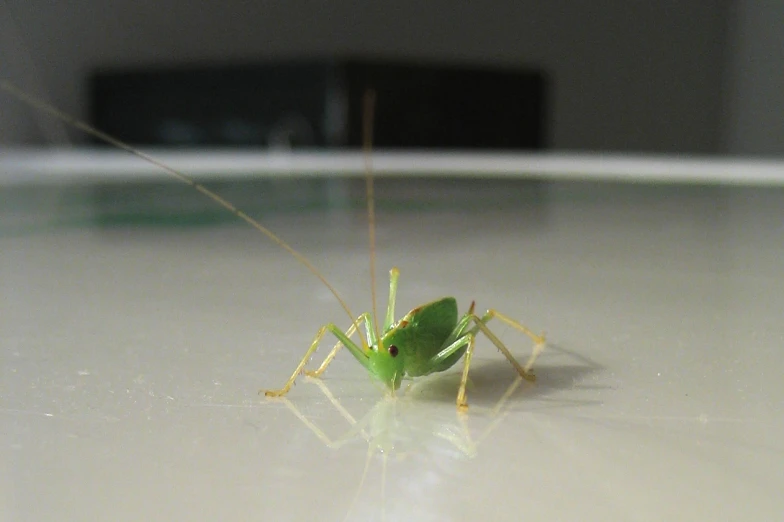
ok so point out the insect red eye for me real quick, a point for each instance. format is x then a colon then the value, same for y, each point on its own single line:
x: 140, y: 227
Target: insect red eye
x: 393, y: 350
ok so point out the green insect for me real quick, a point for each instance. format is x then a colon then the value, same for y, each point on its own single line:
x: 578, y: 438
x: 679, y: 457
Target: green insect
x: 430, y: 338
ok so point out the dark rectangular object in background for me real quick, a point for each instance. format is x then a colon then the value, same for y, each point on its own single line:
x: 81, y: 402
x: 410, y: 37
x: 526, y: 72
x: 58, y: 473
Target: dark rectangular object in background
x: 317, y: 104
x: 448, y: 107
x: 247, y: 105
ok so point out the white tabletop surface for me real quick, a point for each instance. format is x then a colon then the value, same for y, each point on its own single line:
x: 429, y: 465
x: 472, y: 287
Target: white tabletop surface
x: 132, y: 356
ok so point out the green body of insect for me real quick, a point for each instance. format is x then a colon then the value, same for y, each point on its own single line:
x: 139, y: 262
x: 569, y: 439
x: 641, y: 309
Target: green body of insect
x: 428, y: 339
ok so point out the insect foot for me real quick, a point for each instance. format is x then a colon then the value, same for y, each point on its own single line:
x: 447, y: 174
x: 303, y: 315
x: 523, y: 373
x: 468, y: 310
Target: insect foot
x: 539, y: 345
x: 273, y: 393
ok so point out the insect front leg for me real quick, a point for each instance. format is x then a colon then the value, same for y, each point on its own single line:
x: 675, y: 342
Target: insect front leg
x: 390, y: 317
x: 358, y: 353
x: 369, y: 335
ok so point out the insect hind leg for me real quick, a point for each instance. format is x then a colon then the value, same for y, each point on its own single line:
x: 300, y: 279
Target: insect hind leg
x: 462, y: 336
x: 539, y: 340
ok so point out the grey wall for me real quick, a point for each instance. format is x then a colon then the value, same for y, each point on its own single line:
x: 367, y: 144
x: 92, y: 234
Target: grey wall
x: 630, y: 75
x: 755, y: 79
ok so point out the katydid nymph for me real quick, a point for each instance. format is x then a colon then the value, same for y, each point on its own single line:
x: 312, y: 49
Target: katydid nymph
x: 430, y: 338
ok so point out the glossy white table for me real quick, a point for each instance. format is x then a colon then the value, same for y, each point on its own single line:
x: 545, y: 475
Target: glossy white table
x: 132, y: 356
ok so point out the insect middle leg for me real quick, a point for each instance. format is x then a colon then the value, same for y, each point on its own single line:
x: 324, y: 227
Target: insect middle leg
x: 343, y: 339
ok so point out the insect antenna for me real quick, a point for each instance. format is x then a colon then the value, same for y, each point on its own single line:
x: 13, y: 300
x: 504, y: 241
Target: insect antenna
x: 76, y: 123
x: 369, y: 103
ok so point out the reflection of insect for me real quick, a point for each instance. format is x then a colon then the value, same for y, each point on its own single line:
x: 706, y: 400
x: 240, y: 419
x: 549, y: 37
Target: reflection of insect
x: 397, y: 428
x: 430, y: 338
x: 393, y: 426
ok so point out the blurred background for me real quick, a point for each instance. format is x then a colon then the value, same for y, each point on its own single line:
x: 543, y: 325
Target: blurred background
x: 604, y: 91
x: 669, y: 77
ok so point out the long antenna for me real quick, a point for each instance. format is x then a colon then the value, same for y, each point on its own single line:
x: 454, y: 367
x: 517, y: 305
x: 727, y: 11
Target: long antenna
x: 43, y: 106
x: 369, y: 105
